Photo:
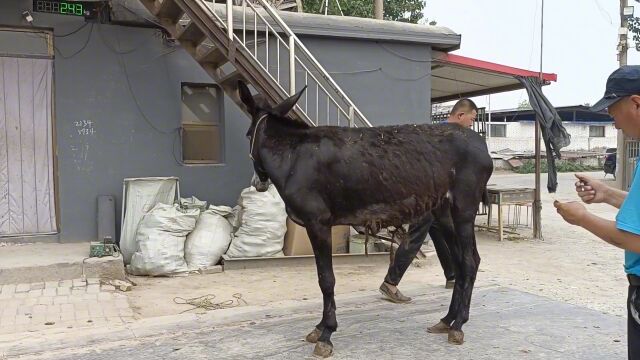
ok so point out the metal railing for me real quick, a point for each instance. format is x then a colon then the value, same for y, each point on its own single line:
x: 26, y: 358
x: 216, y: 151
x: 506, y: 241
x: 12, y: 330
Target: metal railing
x: 632, y: 151
x: 283, y: 57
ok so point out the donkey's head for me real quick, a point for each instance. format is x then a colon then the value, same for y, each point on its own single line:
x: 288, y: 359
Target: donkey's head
x: 260, y: 112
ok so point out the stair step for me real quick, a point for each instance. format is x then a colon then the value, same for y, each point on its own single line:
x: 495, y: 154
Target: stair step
x: 168, y: 9
x: 207, y: 53
x: 230, y: 81
x: 189, y: 32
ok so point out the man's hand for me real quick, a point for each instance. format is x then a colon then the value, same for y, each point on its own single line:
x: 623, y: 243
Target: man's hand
x: 572, y: 212
x: 591, y: 191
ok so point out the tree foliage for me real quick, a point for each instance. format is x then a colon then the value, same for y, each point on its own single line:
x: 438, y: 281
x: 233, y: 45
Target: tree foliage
x: 397, y: 10
x: 634, y: 28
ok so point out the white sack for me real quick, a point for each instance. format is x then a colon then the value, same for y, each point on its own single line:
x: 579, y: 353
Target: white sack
x: 210, y: 239
x: 160, y: 241
x: 263, y: 224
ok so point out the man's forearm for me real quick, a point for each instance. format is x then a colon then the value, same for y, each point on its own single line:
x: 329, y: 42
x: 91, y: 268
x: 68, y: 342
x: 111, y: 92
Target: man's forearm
x: 607, y: 231
x: 615, y: 197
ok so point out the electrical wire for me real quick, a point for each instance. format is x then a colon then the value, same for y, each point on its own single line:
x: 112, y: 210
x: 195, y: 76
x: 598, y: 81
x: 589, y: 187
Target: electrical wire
x: 72, y: 32
x: 403, y: 56
x: 84, y: 46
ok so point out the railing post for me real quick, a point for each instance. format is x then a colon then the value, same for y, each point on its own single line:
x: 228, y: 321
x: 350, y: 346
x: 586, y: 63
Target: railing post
x: 230, y: 19
x: 351, y: 116
x: 292, y: 65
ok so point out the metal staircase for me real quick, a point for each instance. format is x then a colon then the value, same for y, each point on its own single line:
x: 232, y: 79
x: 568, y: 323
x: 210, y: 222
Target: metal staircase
x: 251, y: 42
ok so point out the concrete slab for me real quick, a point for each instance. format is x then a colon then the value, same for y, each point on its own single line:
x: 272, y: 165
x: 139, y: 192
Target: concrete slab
x: 30, y: 263
x: 505, y: 324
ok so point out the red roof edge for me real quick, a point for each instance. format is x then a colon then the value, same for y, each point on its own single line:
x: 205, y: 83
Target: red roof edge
x: 485, y: 65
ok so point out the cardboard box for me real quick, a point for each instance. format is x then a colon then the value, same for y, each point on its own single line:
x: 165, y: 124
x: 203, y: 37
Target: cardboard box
x: 296, y: 241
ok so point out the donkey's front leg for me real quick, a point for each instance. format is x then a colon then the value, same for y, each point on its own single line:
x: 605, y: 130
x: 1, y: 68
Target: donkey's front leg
x: 320, y: 236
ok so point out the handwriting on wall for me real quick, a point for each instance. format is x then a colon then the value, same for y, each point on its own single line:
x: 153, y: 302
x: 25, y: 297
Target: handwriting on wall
x: 85, y: 127
x: 83, y: 132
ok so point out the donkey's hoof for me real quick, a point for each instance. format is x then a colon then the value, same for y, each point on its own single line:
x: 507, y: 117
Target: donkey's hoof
x: 456, y: 337
x: 439, y: 328
x: 314, y: 336
x: 323, y: 349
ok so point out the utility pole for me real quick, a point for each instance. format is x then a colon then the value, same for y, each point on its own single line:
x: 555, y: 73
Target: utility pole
x: 378, y: 9
x: 537, y: 203
x: 622, y: 47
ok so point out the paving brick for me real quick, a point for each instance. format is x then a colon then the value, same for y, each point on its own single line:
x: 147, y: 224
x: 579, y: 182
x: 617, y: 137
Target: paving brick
x: 93, y: 289
x: 38, y: 319
x: 67, y: 316
x: 37, y: 286
x: 67, y: 308
x: 8, y: 289
x: 45, y: 300
x: 55, y: 308
x: 10, y: 310
x: 115, y: 321
x: 110, y: 312
x: 76, y: 299
x: 93, y: 281
x: 90, y: 297
x: 7, y: 321
x: 95, y: 312
x: 52, y: 317
x: 51, y: 284
x: 63, y: 290
x: 23, y: 320
x: 108, y: 288
x: 125, y: 312
x: 122, y: 304
x: 105, y: 296
x: 61, y: 300
x: 79, y: 283
x: 39, y: 309
x: 35, y: 293
x: 82, y: 314
x: 30, y: 301
x: 20, y: 295
x: 49, y: 292
x: 23, y: 288
x: 65, y: 284
x: 25, y: 309
x: 79, y: 291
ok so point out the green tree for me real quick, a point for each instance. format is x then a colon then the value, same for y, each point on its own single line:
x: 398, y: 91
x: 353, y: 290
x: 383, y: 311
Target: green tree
x: 634, y: 28
x: 524, y: 105
x: 396, y: 10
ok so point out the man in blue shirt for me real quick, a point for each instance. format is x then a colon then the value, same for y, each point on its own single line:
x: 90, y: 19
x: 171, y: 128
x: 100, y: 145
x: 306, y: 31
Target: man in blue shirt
x: 622, y: 100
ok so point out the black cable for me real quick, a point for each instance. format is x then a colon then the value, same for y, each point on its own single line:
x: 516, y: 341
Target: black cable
x: 403, y: 56
x: 110, y: 46
x: 73, y: 32
x: 173, y: 146
x: 86, y: 43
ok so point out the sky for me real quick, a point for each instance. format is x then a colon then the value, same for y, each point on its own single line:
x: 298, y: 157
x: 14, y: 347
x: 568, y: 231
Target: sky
x: 580, y: 38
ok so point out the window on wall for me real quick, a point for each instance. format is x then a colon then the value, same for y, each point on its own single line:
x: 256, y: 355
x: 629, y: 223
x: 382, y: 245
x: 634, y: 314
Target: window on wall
x: 596, y: 131
x: 202, y: 124
x: 498, y: 130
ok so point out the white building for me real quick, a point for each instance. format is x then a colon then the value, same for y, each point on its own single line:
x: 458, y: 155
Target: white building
x: 514, y: 129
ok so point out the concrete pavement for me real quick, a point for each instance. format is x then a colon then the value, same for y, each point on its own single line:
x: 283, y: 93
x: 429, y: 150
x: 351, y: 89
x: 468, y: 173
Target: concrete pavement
x: 504, y: 324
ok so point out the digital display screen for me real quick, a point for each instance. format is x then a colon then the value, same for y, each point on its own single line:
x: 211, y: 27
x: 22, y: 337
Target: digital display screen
x: 74, y: 8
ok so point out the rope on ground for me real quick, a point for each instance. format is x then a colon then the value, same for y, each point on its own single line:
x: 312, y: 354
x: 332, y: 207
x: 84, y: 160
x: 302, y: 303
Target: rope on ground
x: 206, y: 302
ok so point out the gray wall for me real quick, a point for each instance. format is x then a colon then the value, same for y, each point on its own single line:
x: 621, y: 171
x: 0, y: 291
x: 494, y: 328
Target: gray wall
x: 398, y: 93
x: 92, y: 85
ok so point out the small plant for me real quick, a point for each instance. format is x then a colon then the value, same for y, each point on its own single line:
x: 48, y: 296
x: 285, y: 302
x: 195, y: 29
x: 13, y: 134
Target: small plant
x: 529, y: 167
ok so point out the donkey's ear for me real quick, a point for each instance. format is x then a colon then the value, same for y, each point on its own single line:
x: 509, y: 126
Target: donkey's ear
x: 246, y: 97
x: 284, y: 107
